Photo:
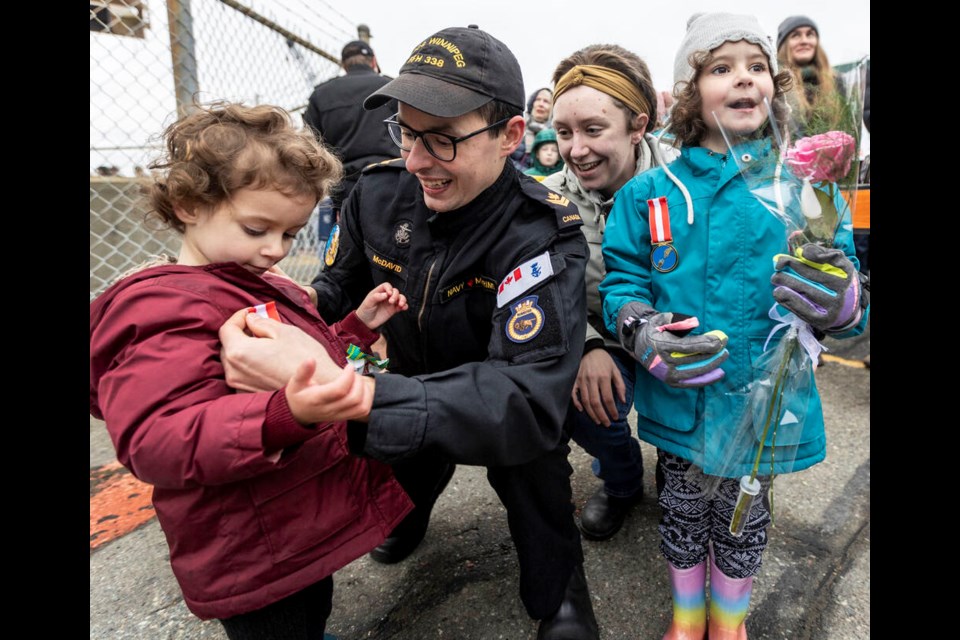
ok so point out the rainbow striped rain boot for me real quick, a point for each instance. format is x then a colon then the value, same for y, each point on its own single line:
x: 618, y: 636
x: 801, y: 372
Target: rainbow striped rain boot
x: 729, y: 601
x: 689, y: 602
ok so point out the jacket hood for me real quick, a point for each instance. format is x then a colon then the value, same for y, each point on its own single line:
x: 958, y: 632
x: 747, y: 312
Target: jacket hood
x: 156, y: 267
x: 753, y: 149
x: 544, y: 135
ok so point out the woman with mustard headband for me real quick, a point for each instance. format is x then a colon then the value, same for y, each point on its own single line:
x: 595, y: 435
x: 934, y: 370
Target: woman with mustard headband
x: 604, y: 104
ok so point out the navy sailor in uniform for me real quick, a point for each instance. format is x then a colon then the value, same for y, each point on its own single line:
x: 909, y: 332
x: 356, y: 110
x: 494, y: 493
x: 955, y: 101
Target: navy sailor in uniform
x: 483, y: 362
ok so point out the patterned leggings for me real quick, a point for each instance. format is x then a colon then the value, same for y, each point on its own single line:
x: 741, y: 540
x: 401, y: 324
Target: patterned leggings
x: 691, y: 518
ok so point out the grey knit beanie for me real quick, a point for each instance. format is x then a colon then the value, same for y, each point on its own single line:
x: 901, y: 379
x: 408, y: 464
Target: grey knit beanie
x: 791, y: 23
x: 707, y: 31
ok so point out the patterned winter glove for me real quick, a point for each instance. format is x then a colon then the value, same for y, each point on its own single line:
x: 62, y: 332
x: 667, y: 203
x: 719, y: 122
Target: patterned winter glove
x: 820, y: 286
x: 660, y: 342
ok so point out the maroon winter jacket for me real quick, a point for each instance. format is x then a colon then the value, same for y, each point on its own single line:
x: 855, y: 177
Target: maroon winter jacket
x: 246, y: 527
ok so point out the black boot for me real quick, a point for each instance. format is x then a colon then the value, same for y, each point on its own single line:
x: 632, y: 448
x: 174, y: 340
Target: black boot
x: 574, y: 620
x: 408, y: 535
x: 603, y: 515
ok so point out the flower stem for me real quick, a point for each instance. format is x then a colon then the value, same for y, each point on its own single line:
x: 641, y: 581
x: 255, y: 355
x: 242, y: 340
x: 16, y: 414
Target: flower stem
x: 773, y: 446
x: 774, y: 402
x: 832, y: 190
x: 773, y: 408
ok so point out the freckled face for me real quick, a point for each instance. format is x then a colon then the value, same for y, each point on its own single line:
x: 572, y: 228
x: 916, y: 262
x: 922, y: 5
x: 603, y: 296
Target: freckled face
x: 594, y: 139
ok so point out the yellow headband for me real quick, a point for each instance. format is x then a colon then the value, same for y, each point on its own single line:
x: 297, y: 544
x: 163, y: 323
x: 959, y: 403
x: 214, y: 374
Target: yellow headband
x: 608, y: 81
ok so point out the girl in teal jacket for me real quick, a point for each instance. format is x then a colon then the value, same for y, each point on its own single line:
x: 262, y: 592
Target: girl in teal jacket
x: 689, y: 247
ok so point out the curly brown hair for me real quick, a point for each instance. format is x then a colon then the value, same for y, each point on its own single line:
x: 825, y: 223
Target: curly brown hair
x: 613, y: 56
x: 218, y: 149
x: 686, y: 121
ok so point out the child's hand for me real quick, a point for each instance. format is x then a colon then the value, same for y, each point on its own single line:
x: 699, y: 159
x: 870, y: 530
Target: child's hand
x: 662, y: 343
x: 349, y: 396
x: 381, y: 304
x: 820, y: 286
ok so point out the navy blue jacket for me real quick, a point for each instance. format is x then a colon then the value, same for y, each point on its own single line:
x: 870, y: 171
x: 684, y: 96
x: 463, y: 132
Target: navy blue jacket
x: 359, y: 137
x: 486, y: 378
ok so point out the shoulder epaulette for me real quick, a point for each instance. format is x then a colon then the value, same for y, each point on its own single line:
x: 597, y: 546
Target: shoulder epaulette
x: 568, y: 215
x: 392, y: 163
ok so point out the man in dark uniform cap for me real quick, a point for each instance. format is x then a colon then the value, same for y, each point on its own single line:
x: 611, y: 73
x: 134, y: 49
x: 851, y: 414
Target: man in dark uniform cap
x: 483, y: 362
x: 335, y: 111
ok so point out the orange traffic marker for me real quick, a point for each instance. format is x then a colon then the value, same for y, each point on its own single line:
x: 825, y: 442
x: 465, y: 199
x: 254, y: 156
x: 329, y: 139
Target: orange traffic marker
x: 119, y: 503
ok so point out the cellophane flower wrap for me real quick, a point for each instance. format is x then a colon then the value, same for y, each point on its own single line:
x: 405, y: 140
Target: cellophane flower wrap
x: 807, y: 182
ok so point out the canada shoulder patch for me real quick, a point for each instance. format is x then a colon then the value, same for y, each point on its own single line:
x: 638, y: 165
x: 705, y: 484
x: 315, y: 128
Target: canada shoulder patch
x: 568, y: 215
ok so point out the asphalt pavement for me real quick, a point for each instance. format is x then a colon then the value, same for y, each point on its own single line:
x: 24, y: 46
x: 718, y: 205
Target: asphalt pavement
x: 462, y: 582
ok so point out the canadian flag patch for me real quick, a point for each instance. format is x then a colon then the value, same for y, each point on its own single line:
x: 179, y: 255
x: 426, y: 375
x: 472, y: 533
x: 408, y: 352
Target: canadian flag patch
x: 524, y: 277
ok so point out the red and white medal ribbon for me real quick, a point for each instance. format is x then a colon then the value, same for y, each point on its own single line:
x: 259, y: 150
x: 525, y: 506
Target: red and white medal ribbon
x: 659, y: 221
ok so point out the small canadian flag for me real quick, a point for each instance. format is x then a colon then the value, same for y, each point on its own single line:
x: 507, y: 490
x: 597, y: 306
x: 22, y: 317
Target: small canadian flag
x: 524, y: 277
x: 266, y: 310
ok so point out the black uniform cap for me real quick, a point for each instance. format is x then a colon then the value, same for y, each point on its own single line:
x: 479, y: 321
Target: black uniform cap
x: 355, y: 48
x: 454, y: 72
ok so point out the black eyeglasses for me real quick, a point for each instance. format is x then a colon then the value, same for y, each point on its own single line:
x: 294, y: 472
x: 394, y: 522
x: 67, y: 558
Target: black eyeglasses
x: 440, y: 145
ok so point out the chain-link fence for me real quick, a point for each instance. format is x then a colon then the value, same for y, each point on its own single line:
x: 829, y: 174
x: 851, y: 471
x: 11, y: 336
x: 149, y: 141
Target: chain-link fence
x: 149, y: 58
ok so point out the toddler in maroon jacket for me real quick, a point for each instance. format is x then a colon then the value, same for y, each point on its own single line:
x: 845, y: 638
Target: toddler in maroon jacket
x: 257, y: 493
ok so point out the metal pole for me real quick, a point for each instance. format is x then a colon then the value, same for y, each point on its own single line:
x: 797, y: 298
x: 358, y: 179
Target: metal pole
x: 182, y: 53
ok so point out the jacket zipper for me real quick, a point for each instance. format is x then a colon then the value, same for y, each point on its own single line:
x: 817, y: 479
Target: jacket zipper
x: 426, y: 290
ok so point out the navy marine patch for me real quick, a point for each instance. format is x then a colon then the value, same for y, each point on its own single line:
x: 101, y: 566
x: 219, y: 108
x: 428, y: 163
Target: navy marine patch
x: 477, y: 283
